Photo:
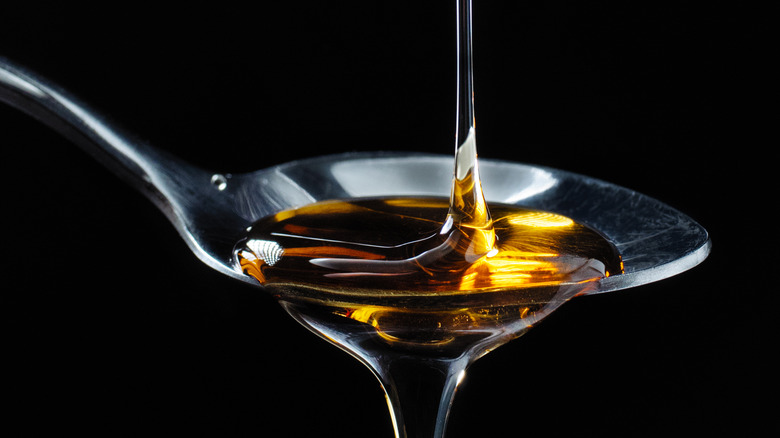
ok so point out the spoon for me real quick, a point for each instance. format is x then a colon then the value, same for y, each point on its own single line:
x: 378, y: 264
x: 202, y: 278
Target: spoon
x: 211, y: 211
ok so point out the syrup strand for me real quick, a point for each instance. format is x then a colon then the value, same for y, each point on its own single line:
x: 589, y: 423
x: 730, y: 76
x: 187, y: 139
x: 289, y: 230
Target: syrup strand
x: 420, y: 406
x: 465, y: 124
x: 417, y: 298
x: 468, y: 208
x: 468, y: 213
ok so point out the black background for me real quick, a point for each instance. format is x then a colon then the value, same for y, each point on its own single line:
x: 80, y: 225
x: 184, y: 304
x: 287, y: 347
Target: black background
x: 111, y: 327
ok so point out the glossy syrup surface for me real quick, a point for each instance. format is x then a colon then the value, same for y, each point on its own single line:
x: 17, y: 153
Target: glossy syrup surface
x: 414, y: 272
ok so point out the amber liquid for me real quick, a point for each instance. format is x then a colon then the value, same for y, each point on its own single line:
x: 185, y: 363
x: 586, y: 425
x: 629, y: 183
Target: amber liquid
x: 419, y: 273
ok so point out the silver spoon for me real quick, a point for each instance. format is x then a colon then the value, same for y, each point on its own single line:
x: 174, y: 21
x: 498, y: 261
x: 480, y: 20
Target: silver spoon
x: 212, y: 211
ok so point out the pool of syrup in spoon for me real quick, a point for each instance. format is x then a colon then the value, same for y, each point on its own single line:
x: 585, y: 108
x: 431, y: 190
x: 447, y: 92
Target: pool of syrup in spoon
x: 423, y: 271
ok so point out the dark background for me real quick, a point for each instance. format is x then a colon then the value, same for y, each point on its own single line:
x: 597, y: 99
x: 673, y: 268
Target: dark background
x: 111, y: 327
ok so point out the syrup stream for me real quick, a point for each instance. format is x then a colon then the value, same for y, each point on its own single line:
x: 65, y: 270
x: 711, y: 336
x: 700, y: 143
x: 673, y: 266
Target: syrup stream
x: 468, y: 208
x: 416, y: 296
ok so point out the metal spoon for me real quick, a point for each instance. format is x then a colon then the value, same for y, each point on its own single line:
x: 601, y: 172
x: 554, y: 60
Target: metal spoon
x: 211, y: 211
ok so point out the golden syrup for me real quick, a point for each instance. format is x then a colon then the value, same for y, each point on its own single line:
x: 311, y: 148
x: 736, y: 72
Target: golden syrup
x: 412, y: 271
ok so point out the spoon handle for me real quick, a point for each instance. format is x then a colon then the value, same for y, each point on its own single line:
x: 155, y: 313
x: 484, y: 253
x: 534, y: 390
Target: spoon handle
x: 146, y: 168
x: 189, y: 197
